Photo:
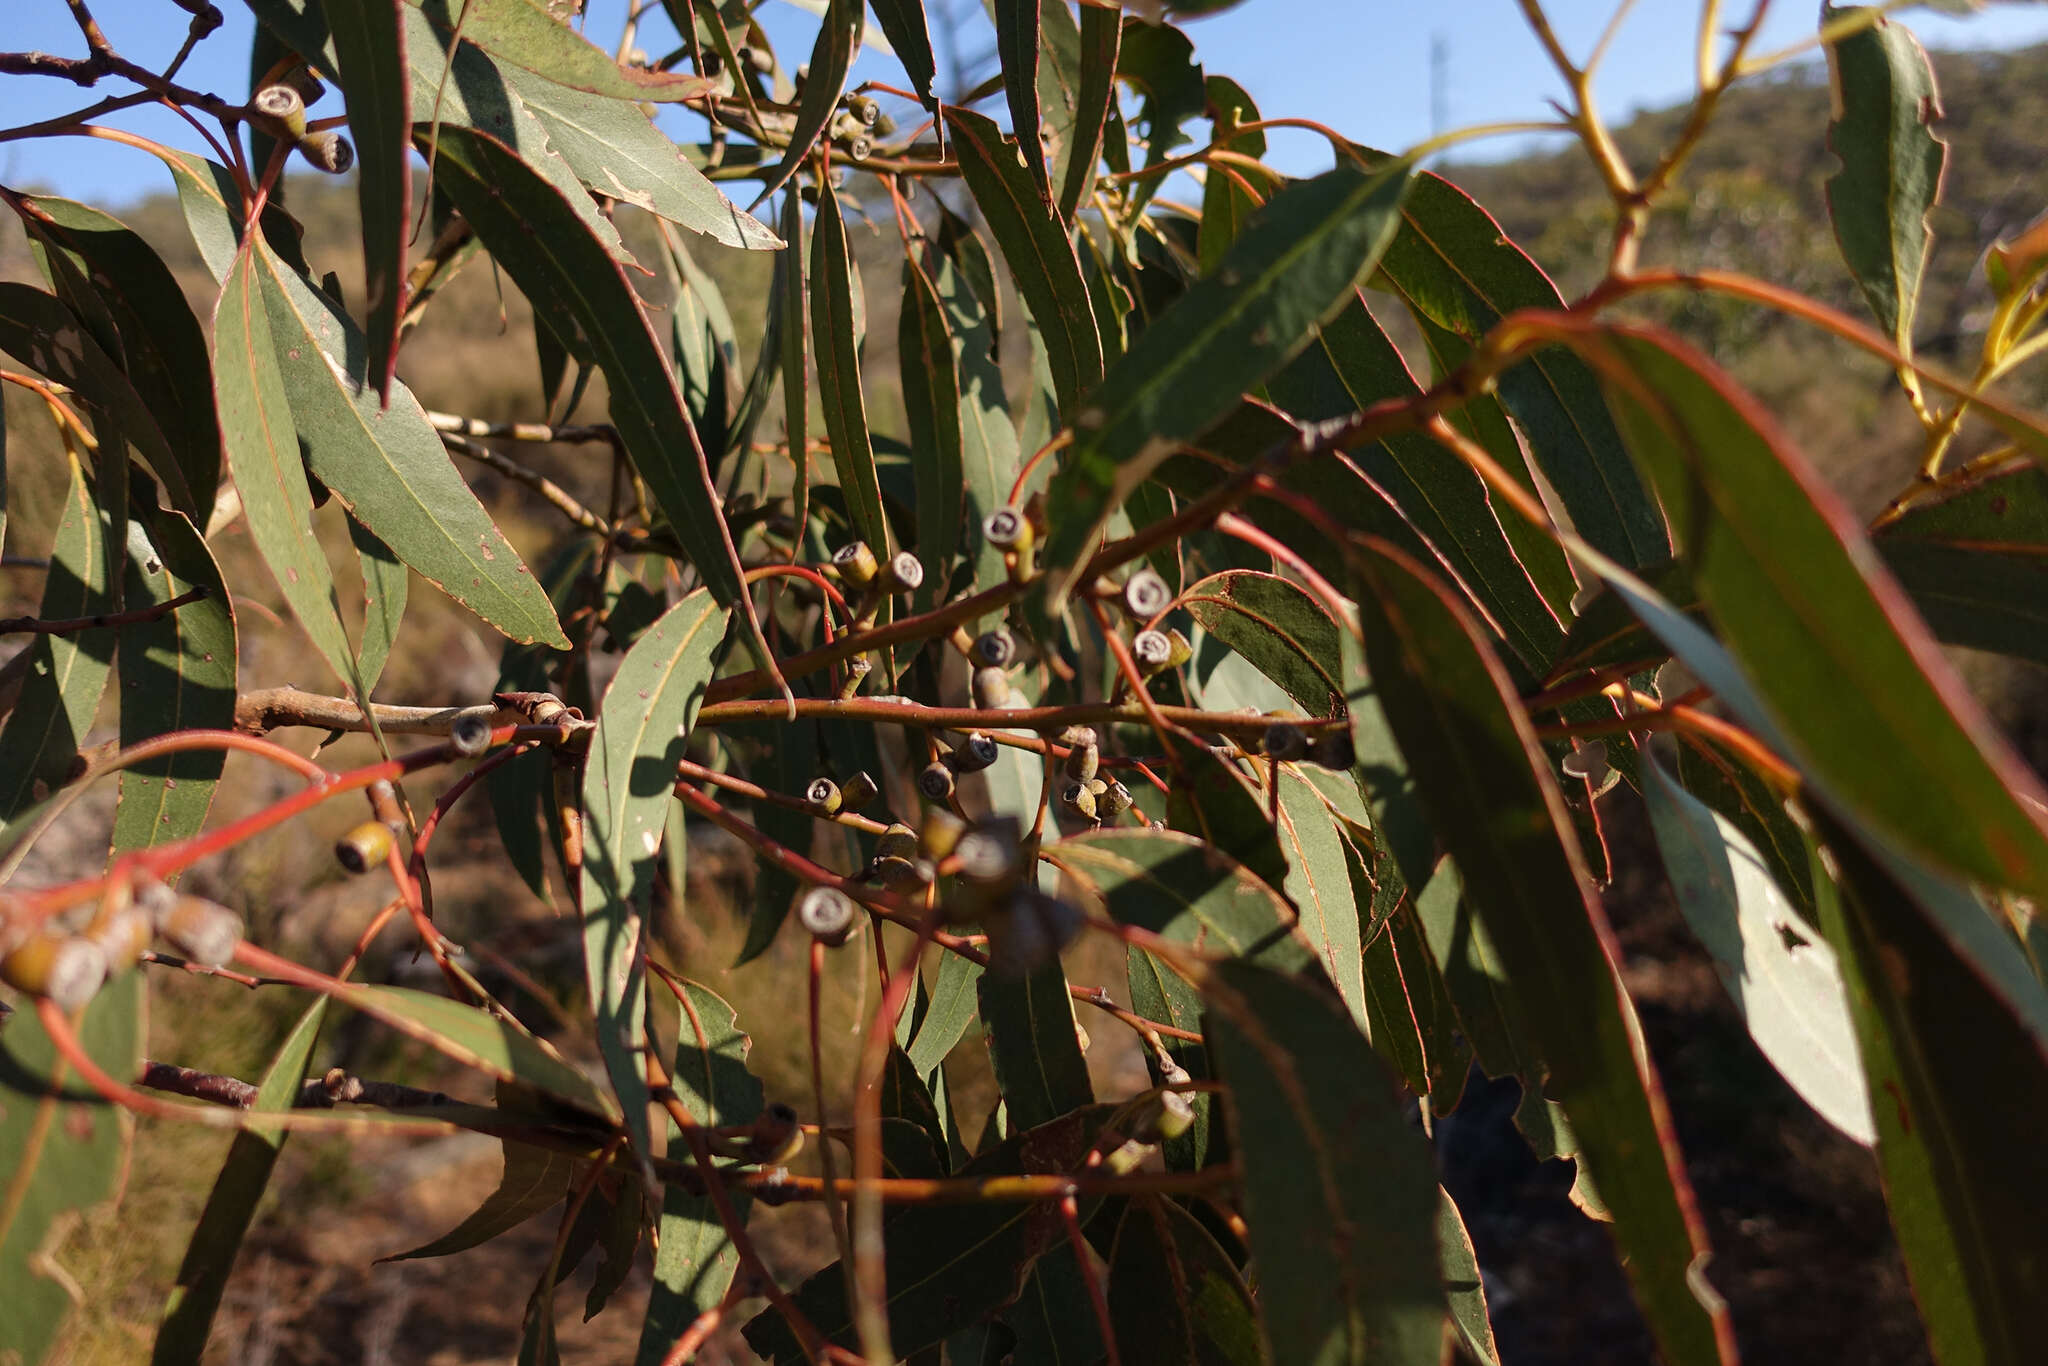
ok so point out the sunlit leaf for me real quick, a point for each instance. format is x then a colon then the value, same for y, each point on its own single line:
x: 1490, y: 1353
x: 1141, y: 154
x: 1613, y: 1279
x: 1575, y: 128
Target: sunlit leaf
x: 839, y: 35
x: 1174, y: 1294
x: 836, y: 332
x: 369, y: 43
x: 1017, y: 47
x: 903, y: 22
x: 1279, y: 628
x: 531, y: 34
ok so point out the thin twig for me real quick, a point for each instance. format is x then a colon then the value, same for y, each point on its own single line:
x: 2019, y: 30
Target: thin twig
x: 41, y: 626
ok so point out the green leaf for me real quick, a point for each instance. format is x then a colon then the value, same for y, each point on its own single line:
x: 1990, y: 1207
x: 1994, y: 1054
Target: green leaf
x: 1211, y: 799
x: 1179, y: 886
x: 1054, y: 1316
x: 1346, y: 1250
x: 1227, y: 334
x: 952, y: 1007
x: 532, y: 35
x: 903, y: 23
x: 628, y: 784
x: 532, y: 1180
x: 948, y: 1266
x: 1953, y: 1033
x: 835, y: 329
x: 263, y: 454
x: 1319, y: 883
x: 1885, y: 105
x: 1456, y: 269
x: 1464, y: 1286
x: 791, y: 297
x: 931, y: 403
x: 707, y: 352
x: 1100, y: 39
x: 385, y: 587
x: 64, y: 1150
x: 1868, y: 705
x: 477, y: 1040
x: 176, y: 673
x: 1390, y: 1021
x: 1976, y: 564
x: 1175, y: 1296
x: 1782, y: 977
x: 187, y: 1319
x: 1017, y: 44
x: 67, y: 673
x: 1485, y: 784
x: 1278, y: 627
x: 369, y: 43
x: 161, y: 342
x: 695, y: 1260
x: 506, y: 202
x: 1228, y: 201
x: 38, y: 330
x: 1159, y: 63
x: 839, y: 35
x: 1038, y: 250
x: 388, y: 466
x: 1029, y: 1024
x: 989, y: 457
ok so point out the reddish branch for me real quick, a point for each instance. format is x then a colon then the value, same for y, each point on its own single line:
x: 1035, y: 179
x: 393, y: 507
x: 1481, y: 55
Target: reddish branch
x: 64, y: 626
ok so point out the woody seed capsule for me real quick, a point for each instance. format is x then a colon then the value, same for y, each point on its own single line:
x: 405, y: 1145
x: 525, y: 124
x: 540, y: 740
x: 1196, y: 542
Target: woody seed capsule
x: 329, y: 151
x: 995, y: 649
x: 898, y: 841
x: 1284, y: 741
x: 823, y: 793
x: 860, y: 789
x: 202, y: 931
x: 124, y: 937
x: 470, y: 735
x: 936, y: 782
x: 940, y: 834
x: 1151, y: 650
x: 973, y: 754
x: 991, y: 688
x: 1078, y: 799
x: 364, y: 847
x: 1007, y: 529
x: 1146, y: 594
x: 904, y: 573
x: 1333, y: 749
x: 856, y: 563
x: 284, y: 104
x: 1085, y: 757
x: 67, y: 969
x: 828, y: 915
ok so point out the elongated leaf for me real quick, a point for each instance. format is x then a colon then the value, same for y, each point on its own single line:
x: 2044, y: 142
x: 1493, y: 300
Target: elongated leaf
x: 263, y: 454
x: 1464, y: 1286
x: 162, y: 346
x: 839, y: 34
x: 1976, y: 564
x: 1230, y: 196
x: 531, y: 34
x: 385, y: 587
x: 1486, y: 787
x: 835, y: 330
x: 989, y: 457
x: 1101, y: 35
x: 187, y: 1319
x: 68, y: 672
x: 176, y: 673
x: 64, y: 1150
x: 477, y: 1040
x: 1174, y: 1294
x: 1293, y: 269
x: 1039, y: 253
x: 1213, y: 801
x: 1054, y: 1318
x: 695, y: 1261
x: 1347, y: 1251
x: 1279, y: 628
x: 952, y: 1007
x: 1953, y: 1033
x: 903, y: 23
x: 389, y: 468
x: 931, y: 402
x: 1884, y: 107
x: 628, y: 785
x: 533, y: 1180
x: 707, y: 352
x: 1784, y: 981
x: 1866, y: 700
x: 1159, y: 62
x: 505, y: 202
x: 40, y: 331
x: 1319, y: 884
x: 790, y: 293
x: 369, y: 42
x: 1029, y: 1022
x: 1017, y: 43
x: 1456, y: 269
x: 948, y: 1266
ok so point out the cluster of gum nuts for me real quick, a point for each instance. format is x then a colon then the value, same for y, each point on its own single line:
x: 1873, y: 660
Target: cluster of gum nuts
x: 69, y: 958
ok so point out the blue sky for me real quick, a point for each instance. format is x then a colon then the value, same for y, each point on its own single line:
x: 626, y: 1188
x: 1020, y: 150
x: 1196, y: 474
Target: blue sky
x: 1362, y: 66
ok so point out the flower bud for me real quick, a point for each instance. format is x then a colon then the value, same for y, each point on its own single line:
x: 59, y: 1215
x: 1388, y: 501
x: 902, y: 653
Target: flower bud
x: 856, y: 564
x: 67, y: 969
x: 828, y: 915
x: 1146, y: 595
x: 470, y: 735
x: 329, y: 151
x: 364, y: 847
x: 286, y: 105
x: 973, y: 754
x: 991, y: 689
x: 995, y: 649
x: 202, y: 931
x: 935, y: 782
